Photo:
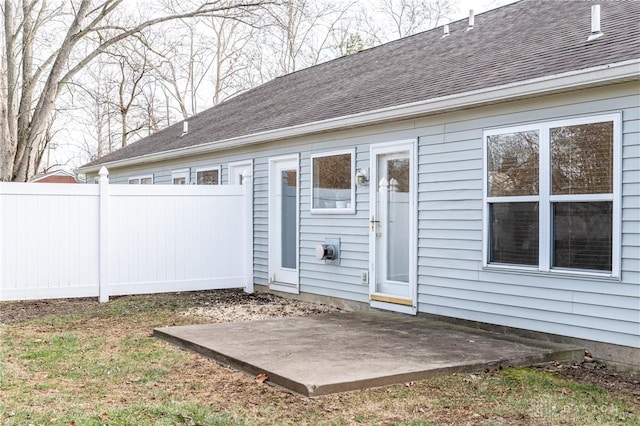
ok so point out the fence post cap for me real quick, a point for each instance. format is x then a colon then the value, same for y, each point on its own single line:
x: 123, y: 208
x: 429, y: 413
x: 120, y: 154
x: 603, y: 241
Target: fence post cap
x: 103, y: 171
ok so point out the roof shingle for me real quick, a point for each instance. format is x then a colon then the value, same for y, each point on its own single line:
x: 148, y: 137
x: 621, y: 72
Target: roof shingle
x: 518, y: 42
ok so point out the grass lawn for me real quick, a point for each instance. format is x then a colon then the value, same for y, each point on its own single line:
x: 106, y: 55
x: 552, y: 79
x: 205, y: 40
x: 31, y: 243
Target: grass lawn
x: 97, y: 364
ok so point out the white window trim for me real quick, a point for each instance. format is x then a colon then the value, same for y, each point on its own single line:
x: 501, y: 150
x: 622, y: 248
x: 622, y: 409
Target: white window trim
x: 545, y: 199
x: 208, y: 169
x: 247, y: 164
x: 334, y: 210
x: 185, y: 173
x: 140, y: 177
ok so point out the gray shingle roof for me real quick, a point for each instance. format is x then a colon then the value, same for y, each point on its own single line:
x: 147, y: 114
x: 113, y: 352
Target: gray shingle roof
x: 518, y: 42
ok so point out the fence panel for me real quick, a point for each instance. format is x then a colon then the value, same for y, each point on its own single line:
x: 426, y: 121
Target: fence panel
x: 61, y: 240
x: 48, y: 239
x: 175, y: 238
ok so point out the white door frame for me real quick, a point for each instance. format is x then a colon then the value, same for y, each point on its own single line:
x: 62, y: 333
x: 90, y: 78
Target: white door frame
x: 238, y: 166
x: 379, y: 300
x: 282, y: 279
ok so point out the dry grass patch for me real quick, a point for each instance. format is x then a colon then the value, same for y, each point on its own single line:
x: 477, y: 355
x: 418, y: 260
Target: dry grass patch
x: 91, y: 364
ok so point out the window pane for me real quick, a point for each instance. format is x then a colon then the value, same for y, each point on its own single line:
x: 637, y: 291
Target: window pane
x: 288, y: 225
x: 398, y: 174
x: 135, y: 181
x: 514, y: 233
x: 146, y: 181
x: 582, y: 235
x: 332, y: 181
x: 179, y: 181
x: 582, y: 159
x: 513, y: 164
x: 207, y: 177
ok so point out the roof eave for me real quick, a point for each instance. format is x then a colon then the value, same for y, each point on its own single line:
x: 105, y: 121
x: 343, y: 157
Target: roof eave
x: 573, y: 80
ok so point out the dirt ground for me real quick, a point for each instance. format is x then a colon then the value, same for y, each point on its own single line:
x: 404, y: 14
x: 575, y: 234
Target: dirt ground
x: 222, y: 305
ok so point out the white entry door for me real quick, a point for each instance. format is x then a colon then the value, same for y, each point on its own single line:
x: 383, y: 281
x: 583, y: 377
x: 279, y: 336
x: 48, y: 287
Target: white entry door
x: 393, y: 249
x: 283, y: 224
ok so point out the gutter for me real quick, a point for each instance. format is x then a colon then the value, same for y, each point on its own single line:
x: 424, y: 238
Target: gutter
x: 572, y: 80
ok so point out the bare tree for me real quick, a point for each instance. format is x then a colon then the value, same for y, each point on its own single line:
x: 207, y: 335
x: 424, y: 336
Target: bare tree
x: 30, y: 84
x: 301, y: 31
x: 393, y: 19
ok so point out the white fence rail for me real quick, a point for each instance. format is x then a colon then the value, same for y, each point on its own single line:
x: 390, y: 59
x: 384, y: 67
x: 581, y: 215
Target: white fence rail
x: 62, y: 240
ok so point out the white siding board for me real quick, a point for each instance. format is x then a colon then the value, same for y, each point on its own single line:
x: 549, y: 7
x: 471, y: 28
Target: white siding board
x: 445, y: 254
x: 440, y: 286
x: 447, y: 157
x: 447, y: 225
x: 460, y: 234
x: 538, y: 314
x: 552, y: 326
x: 606, y: 300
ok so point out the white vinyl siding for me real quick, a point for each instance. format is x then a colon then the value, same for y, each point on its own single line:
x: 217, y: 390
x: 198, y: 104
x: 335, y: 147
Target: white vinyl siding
x: 451, y: 278
x: 452, y: 281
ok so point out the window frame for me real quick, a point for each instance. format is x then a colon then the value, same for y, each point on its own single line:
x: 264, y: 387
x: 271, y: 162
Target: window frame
x: 208, y: 169
x: 546, y: 199
x: 185, y: 173
x: 139, y: 178
x: 334, y: 210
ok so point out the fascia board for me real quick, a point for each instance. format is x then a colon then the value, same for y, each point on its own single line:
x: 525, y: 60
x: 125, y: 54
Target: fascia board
x: 573, y: 80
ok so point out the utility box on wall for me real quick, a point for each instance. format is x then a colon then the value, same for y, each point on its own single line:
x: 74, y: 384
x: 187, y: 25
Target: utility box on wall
x: 329, y: 251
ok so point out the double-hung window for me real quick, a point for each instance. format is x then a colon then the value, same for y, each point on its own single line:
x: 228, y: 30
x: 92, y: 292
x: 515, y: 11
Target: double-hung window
x: 552, y: 196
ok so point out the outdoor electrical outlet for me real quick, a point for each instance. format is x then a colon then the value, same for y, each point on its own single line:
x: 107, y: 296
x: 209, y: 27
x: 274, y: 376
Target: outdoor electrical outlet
x: 364, y: 277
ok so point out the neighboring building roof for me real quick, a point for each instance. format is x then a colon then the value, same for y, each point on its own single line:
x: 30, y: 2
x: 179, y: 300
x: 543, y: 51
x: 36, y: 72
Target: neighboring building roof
x: 56, y: 176
x: 523, y: 41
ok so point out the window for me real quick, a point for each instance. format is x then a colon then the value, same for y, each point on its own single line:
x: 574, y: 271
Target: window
x: 141, y: 180
x: 332, y: 183
x: 551, y: 196
x: 180, y: 177
x: 208, y: 176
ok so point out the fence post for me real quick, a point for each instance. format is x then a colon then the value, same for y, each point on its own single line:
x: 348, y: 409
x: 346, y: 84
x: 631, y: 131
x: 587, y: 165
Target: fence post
x: 247, y: 182
x: 103, y: 236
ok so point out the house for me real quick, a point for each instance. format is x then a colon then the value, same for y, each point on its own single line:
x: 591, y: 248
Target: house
x: 56, y: 176
x: 486, y: 172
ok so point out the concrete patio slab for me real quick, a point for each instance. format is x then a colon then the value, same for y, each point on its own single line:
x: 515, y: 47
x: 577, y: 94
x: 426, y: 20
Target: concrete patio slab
x: 346, y: 351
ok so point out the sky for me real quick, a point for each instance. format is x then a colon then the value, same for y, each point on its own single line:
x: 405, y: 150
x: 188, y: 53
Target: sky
x: 478, y: 6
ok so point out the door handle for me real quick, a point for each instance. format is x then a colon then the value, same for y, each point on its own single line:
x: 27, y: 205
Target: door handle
x: 373, y: 223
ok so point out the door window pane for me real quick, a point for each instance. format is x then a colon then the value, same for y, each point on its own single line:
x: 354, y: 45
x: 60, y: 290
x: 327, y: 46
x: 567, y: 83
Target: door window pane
x: 513, y: 164
x: 582, y: 159
x: 397, y: 216
x: 514, y: 233
x: 288, y: 224
x: 582, y: 235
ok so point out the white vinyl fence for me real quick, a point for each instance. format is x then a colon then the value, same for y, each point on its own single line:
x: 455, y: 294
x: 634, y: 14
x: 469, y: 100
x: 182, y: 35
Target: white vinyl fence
x: 65, y: 240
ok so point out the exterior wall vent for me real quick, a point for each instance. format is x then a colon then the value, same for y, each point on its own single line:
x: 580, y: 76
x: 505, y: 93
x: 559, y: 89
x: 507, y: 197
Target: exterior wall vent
x: 595, y: 23
x: 471, y: 20
x: 446, y: 31
x: 185, y: 128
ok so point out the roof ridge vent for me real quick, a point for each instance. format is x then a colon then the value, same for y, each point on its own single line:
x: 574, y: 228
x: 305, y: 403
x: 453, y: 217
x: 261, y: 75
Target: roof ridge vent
x: 471, y: 20
x: 445, y: 28
x: 595, y: 23
x: 185, y: 128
